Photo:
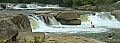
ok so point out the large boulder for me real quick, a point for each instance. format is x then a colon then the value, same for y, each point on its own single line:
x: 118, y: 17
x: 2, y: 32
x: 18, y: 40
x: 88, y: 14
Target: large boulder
x: 69, y: 18
x: 116, y: 13
x: 68, y: 15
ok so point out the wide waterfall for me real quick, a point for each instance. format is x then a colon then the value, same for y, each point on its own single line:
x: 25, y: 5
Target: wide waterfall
x: 43, y: 27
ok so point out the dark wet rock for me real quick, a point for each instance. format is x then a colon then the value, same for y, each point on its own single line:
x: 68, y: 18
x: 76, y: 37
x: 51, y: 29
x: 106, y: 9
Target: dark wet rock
x: 71, y: 22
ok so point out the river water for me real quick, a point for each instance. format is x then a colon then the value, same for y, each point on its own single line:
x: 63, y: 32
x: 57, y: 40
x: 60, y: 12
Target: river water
x: 104, y: 25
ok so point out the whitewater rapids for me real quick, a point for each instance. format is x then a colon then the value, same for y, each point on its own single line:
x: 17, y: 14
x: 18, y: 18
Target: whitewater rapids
x: 101, y: 20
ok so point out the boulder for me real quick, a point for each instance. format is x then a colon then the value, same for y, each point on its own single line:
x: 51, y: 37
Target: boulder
x: 69, y: 18
x: 68, y: 15
x: 116, y: 13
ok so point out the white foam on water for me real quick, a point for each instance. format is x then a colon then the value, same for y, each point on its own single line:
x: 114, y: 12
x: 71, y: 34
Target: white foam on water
x: 106, y: 20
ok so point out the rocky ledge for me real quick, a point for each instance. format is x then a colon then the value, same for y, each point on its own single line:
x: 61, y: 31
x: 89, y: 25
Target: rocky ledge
x: 11, y: 24
x: 116, y: 13
x: 16, y: 27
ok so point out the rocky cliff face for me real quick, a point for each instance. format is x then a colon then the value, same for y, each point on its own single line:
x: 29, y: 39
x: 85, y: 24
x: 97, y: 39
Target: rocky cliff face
x: 11, y: 24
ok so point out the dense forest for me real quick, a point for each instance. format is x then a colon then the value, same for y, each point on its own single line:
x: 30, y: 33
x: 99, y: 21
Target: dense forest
x: 64, y: 2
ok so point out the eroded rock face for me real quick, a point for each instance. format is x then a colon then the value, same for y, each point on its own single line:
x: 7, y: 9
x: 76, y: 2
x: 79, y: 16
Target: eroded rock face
x: 22, y: 22
x: 115, y: 6
x: 7, y: 29
x: 116, y: 13
x: 11, y: 24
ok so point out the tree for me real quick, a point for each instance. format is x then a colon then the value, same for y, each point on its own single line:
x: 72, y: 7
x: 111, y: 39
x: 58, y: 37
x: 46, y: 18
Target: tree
x: 67, y: 2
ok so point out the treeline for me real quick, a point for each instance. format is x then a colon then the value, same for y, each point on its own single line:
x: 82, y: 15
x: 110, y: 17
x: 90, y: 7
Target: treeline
x: 86, y: 2
x: 64, y: 2
x: 30, y: 1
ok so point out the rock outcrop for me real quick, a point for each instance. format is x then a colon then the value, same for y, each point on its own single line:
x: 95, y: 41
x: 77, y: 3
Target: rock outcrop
x: 22, y: 22
x: 7, y: 29
x: 11, y: 24
x: 115, y: 6
x: 116, y: 13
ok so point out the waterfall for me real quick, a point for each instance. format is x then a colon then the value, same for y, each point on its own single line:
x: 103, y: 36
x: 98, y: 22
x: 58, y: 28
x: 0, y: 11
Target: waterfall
x: 34, y: 23
x: 31, y: 6
x: 53, y: 21
x: 40, y: 26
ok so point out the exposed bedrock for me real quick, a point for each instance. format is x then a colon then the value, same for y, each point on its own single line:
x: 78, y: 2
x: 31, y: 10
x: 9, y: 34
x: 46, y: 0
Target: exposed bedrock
x: 11, y: 24
x: 116, y: 13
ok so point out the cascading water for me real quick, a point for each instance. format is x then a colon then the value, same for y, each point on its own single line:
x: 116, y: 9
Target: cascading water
x: 0, y: 7
x: 52, y: 20
x: 44, y: 28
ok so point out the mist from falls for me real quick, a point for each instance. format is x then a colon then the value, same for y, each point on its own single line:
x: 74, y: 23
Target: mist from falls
x: 101, y: 20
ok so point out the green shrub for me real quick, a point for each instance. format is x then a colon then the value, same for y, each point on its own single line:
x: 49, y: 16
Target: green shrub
x: 1, y: 41
x: 36, y: 40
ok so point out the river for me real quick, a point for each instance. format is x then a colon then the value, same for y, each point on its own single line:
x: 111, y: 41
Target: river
x: 112, y: 27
